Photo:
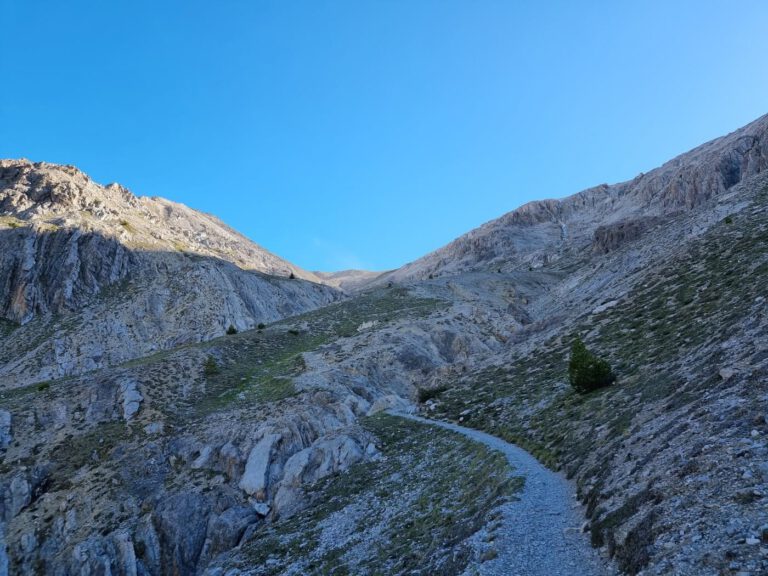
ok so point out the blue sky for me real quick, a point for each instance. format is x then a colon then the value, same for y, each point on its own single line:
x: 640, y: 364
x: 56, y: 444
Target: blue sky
x: 367, y: 133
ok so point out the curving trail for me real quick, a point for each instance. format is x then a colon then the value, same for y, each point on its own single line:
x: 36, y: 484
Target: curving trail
x: 540, y: 534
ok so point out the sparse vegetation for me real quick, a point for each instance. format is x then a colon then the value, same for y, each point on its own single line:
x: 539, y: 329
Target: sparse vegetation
x: 210, y: 367
x: 586, y: 371
x: 433, y: 490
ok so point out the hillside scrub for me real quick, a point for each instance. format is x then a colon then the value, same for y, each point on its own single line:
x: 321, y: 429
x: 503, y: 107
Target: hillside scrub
x: 586, y: 371
x: 210, y: 367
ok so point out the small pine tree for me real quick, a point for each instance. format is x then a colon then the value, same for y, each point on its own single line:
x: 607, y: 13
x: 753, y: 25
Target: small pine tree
x: 292, y: 276
x: 586, y: 371
x: 231, y: 330
x: 210, y: 367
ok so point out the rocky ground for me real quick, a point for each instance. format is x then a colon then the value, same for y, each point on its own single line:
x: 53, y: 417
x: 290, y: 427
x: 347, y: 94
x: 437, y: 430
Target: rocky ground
x: 539, y: 532
x: 670, y: 460
x: 410, y: 510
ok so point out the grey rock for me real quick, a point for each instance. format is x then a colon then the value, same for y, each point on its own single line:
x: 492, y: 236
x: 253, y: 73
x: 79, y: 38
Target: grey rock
x: 261, y: 508
x: 6, y: 435
x: 181, y: 522
x: 226, y: 529
x: 131, y: 398
x: 727, y: 373
x: 3, y: 551
x: 154, y: 428
x: 149, y: 561
x: 254, y: 479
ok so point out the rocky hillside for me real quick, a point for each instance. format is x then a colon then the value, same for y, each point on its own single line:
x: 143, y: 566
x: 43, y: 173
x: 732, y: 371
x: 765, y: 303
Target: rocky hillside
x: 96, y: 275
x: 269, y: 451
x: 349, y: 280
x: 539, y: 232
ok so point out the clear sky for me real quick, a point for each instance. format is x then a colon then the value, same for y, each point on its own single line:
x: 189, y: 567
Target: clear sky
x: 365, y: 133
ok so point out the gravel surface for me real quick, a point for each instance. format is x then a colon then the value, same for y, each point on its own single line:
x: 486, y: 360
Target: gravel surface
x: 540, y: 533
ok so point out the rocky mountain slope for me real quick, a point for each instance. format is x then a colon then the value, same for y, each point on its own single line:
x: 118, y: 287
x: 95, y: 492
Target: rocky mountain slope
x: 97, y: 275
x: 539, y: 232
x: 349, y: 280
x: 269, y: 451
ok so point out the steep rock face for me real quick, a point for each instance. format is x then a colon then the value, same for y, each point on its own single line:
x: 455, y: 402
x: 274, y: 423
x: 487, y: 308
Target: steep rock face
x: 540, y: 232
x: 610, y: 236
x: 44, y: 272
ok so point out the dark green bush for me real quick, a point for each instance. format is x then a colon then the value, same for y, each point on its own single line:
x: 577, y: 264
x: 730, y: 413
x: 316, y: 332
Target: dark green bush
x: 586, y: 371
x: 210, y: 367
x: 231, y: 330
x: 261, y: 326
x: 430, y: 393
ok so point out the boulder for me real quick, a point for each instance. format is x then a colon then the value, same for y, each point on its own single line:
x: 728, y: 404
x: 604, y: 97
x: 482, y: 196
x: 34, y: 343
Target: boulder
x: 390, y: 402
x: 130, y: 398
x: 727, y: 373
x: 325, y: 457
x: 255, y: 478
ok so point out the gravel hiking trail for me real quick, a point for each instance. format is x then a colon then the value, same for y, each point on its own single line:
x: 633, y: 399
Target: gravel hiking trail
x: 540, y: 533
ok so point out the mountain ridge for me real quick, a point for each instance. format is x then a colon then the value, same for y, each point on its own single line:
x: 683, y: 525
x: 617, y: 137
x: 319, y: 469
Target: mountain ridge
x: 33, y: 191
x: 678, y: 184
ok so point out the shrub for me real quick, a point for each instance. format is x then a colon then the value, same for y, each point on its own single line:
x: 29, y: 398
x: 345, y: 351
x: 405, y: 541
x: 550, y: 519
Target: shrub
x: 231, y: 329
x: 292, y: 276
x: 586, y: 371
x: 210, y: 367
x: 426, y: 394
x: 728, y: 220
x: 43, y: 386
x: 261, y: 326
x: 293, y: 331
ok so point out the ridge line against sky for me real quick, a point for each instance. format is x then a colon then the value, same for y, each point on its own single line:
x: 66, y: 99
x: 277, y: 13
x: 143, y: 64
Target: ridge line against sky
x: 367, y: 134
